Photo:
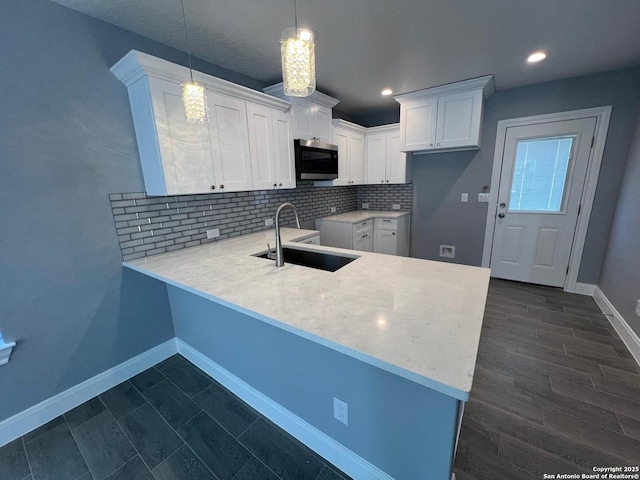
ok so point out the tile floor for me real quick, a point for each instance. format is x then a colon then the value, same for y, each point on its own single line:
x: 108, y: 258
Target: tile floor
x: 555, y: 389
x: 170, y: 422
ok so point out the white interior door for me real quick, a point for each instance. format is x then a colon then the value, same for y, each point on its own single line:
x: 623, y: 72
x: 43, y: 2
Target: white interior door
x: 543, y: 174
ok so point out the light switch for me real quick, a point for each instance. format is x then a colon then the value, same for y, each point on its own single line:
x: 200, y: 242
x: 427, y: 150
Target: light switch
x: 464, y: 197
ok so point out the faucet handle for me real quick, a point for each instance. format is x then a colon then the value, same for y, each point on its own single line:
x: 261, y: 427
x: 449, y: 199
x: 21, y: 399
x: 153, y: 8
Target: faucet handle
x: 271, y: 254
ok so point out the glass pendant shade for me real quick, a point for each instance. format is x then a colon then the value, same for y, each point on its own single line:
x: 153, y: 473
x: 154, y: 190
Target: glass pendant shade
x: 298, y: 62
x: 194, y: 97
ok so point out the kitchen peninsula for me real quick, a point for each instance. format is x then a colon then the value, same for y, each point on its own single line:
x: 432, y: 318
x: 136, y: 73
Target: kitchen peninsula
x: 394, y: 337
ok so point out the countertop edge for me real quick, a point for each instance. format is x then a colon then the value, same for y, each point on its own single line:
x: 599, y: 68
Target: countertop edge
x: 368, y: 216
x: 462, y: 395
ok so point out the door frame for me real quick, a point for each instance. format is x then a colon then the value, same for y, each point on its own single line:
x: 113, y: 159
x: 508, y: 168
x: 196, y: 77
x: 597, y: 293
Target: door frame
x: 603, y: 115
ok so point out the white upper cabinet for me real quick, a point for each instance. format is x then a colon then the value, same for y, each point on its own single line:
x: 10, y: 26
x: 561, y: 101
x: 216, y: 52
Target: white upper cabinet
x: 239, y: 148
x: 271, y: 144
x: 229, y: 133
x: 311, y: 115
x: 350, y: 139
x: 444, y: 118
x: 385, y: 162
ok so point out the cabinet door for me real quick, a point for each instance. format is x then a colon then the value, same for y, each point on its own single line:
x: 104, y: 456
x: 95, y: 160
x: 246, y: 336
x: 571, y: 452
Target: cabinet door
x: 376, y: 158
x: 303, y: 119
x: 385, y: 242
x: 341, y: 139
x: 321, y: 125
x: 261, y: 144
x: 396, y: 171
x: 283, y: 144
x: 418, y: 125
x: 230, y: 141
x: 363, y: 242
x: 459, y: 116
x: 185, y: 148
x: 356, y: 159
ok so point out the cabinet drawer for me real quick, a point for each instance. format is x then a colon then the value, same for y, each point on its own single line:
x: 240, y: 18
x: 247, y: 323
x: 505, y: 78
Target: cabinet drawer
x: 361, y: 227
x: 386, y: 223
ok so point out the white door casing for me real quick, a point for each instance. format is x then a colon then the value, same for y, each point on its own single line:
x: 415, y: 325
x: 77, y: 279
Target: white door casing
x: 537, y: 212
x: 602, y: 116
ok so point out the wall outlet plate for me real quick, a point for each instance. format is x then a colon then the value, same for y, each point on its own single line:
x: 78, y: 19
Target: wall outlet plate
x: 333, y: 209
x: 483, y: 197
x: 464, y: 197
x: 341, y: 410
x: 5, y: 352
x: 213, y: 233
x: 395, y: 206
x: 447, y: 251
x: 638, y: 308
x: 365, y: 206
x: 268, y: 222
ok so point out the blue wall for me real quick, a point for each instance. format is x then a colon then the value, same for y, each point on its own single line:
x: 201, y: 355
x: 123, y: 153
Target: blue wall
x: 405, y: 429
x: 66, y: 142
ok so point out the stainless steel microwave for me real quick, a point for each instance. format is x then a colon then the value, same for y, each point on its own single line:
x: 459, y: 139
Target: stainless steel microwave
x: 316, y: 160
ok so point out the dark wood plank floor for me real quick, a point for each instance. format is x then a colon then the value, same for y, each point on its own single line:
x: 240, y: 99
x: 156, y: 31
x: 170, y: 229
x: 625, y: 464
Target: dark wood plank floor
x: 555, y: 389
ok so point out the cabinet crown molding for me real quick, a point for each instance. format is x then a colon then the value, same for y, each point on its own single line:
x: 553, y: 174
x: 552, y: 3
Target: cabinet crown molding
x: 136, y: 65
x: 484, y: 83
x: 320, y: 98
x: 392, y: 127
x: 340, y: 123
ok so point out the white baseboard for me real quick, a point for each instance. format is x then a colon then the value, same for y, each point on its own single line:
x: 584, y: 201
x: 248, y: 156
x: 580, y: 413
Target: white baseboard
x: 628, y: 336
x: 36, y: 416
x: 343, y: 458
x: 585, y: 289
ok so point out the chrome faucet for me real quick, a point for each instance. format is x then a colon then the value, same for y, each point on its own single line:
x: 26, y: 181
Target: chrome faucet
x: 279, y: 253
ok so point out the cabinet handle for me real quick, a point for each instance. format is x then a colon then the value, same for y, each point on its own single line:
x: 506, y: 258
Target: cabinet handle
x: 221, y: 186
x: 213, y: 187
x: 431, y: 144
x: 393, y: 233
x: 280, y: 184
x: 438, y: 144
x: 275, y: 184
x: 387, y: 181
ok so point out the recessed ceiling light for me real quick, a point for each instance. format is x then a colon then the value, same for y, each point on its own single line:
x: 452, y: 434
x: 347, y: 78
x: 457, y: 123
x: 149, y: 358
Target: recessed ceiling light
x: 536, y: 57
x: 386, y: 91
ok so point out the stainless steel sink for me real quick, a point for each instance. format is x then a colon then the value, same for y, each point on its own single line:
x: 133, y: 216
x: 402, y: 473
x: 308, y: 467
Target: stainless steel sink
x: 319, y: 260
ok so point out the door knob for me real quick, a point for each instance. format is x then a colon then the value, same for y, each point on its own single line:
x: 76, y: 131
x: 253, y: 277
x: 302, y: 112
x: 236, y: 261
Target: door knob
x: 501, y: 215
x: 502, y: 205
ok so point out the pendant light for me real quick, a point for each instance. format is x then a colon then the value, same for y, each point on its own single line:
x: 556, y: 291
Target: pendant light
x: 298, y: 60
x: 194, y: 95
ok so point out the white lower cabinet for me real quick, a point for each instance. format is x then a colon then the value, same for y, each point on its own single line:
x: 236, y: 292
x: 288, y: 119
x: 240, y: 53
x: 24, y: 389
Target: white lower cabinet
x: 392, y: 236
x: 378, y: 234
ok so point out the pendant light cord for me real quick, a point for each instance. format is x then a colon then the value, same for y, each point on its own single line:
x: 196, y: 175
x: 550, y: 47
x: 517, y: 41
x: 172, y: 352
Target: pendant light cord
x: 186, y: 37
x: 295, y: 14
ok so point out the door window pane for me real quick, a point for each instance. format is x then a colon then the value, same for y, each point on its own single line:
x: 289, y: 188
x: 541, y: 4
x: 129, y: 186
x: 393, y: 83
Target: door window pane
x: 540, y: 174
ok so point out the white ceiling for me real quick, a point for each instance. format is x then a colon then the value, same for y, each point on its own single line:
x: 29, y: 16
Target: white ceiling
x: 366, y: 45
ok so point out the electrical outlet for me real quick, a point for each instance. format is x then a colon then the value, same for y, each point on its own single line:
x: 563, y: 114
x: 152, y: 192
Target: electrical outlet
x: 447, y: 251
x: 464, y: 197
x: 395, y: 206
x: 341, y: 410
x: 268, y: 222
x: 483, y: 197
x: 213, y: 233
x: 638, y: 308
x: 365, y: 206
x: 333, y: 209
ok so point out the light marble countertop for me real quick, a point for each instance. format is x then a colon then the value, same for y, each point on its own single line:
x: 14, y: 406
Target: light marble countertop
x: 362, y: 215
x: 415, y: 318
